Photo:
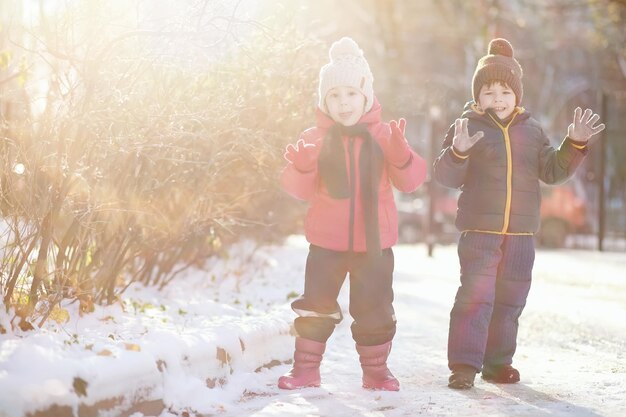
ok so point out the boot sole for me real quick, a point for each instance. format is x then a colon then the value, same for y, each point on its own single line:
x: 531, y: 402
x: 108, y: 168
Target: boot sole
x: 500, y: 381
x: 466, y: 385
x: 288, y: 386
x: 381, y: 388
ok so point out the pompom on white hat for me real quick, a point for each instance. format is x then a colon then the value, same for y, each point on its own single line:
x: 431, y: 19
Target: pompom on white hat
x: 347, y: 68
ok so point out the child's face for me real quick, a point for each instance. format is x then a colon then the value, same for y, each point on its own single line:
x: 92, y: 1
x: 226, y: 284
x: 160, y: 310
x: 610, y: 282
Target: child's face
x: 499, y: 97
x: 345, y: 105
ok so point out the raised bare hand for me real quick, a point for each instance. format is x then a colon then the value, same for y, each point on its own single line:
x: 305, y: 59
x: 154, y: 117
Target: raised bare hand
x: 582, y: 128
x: 462, y: 141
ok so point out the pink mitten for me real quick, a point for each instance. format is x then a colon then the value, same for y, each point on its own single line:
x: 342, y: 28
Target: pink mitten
x: 303, y: 155
x: 398, y: 151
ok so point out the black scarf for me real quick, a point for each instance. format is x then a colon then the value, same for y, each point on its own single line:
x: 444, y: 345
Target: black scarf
x: 334, y: 174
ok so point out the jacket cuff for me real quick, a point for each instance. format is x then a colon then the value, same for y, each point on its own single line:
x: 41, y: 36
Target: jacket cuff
x: 458, y: 156
x: 303, y: 172
x: 576, y: 144
x: 406, y: 164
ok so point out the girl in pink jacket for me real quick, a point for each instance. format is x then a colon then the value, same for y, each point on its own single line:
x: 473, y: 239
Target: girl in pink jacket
x: 345, y: 167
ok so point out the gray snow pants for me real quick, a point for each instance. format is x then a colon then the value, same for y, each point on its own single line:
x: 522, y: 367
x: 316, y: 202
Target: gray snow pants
x: 496, y: 274
x: 371, y: 296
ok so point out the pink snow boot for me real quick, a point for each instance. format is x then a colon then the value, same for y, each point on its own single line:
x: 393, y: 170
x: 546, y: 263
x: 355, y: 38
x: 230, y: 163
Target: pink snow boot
x: 306, y: 365
x: 376, y: 375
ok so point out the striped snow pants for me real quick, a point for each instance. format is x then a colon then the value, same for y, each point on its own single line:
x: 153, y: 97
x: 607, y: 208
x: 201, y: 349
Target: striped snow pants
x: 496, y: 274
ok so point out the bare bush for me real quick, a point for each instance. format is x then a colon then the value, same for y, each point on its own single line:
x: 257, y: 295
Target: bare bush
x: 144, y: 160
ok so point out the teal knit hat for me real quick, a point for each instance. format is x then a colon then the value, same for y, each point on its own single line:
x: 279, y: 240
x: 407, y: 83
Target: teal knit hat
x: 499, y: 65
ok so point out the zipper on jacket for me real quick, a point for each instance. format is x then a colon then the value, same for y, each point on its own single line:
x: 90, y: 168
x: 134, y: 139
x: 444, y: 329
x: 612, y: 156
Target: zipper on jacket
x: 509, y: 171
x: 352, y: 193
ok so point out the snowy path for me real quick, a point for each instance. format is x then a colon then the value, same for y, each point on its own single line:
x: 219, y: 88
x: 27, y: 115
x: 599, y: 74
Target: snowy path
x: 193, y: 349
x: 571, y: 352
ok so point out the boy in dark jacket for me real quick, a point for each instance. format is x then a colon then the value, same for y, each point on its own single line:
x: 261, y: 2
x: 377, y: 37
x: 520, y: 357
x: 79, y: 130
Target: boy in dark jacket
x: 345, y: 168
x: 496, y: 154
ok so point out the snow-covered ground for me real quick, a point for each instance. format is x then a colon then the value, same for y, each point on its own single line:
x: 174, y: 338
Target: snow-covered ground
x: 209, y: 345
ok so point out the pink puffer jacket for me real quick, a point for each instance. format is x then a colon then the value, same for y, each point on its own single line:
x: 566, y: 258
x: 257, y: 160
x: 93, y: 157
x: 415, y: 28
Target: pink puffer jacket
x: 327, y: 222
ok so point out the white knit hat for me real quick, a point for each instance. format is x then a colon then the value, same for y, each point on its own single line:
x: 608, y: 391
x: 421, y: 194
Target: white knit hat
x: 347, y: 68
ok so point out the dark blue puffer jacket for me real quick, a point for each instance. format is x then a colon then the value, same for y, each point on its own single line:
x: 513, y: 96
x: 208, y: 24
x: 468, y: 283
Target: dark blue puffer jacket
x: 499, y: 178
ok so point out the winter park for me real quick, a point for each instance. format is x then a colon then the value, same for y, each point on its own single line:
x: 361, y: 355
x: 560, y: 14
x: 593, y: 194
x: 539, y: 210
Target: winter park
x: 293, y: 208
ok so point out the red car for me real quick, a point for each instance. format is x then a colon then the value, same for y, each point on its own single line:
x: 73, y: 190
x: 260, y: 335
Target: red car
x: 562, y: 212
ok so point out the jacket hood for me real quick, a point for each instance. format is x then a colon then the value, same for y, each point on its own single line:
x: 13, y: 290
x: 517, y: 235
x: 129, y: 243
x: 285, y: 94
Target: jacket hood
x: 471, y: 111
x: 324, y: 121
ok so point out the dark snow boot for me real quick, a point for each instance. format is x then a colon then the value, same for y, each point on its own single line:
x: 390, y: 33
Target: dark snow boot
x: 376, y: 375
x: 462, y: 377
x: 306, y: 365
x: 501, y: 374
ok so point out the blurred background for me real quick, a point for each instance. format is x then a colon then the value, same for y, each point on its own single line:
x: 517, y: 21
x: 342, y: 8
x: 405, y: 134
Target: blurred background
x: 140, y: 137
